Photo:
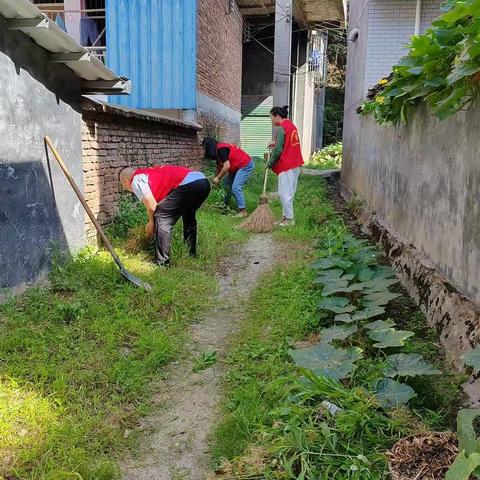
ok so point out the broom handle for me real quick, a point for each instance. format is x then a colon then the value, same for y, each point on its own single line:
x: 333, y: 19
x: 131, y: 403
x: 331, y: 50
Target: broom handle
x: 266, y: 175
x: 70, y: 179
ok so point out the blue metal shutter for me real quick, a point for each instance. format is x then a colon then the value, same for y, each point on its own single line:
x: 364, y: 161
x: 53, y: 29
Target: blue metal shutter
x: 154, y: 43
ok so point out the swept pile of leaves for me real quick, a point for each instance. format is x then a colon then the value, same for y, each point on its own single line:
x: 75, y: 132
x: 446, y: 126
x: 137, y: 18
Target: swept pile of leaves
x: 441, y: 69
x: 427, y: 456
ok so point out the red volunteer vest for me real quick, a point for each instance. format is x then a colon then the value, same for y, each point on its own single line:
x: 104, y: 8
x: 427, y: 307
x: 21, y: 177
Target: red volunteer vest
x: 291, y: 156
x: 162, y: 180
x: 237, y: 158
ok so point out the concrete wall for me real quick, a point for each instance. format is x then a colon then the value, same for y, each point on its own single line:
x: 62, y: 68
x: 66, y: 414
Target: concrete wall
x: 38, y: 210
x: 219, y: 69
x: 120, y: 137
x: 420, y: 184
x: 424, y: 180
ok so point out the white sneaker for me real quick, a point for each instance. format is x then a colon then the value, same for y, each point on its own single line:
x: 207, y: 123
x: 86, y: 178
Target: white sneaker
x: 287, y: 223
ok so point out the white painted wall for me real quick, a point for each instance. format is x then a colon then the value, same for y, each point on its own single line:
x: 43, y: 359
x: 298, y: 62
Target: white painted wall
x: 391, y: 23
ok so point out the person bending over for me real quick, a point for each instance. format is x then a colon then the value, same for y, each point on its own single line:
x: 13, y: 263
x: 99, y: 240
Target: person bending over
x: 235, y: 165
x: 168, y: 193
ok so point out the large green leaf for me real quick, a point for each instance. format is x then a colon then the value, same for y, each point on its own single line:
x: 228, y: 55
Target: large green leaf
x: 377, y: 285
x: 369, y: 311
x: 344, y: 317
x: 472, y: 359
x: 383, y: 272
x: 336, y: 305
x: 365, y: 273
x: 329, y: 262
x: 334, y: 286
x: 389, y: 337
x: 463, y: 466
x: 467, y: 438
x: 328, y: 276
x: 380, y: 324
x: 325, y: 360
x: 409, y: 365
x: 340, y: 286
x: 337, y: 332
x: 391, y: 394
x: 381, y: 298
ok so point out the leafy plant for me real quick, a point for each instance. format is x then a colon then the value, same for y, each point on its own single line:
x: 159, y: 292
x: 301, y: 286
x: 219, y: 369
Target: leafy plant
x: 472, y: 359
x: 325, y: 360
x: 391, y: 394
x: 336, y: 305
x: 468, y: 460
x: 441, y: 69
x: 389, y: 337
x: 206, y: 360
x: 337, y: 332
x: 380, y: 324
x: 328, y: 158
x: 409, y: 365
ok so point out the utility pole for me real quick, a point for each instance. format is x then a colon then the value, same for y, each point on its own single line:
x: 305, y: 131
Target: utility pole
x: 282, y: 53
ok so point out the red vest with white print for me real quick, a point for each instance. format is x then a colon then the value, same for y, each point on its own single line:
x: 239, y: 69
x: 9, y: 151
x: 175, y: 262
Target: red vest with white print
x: 291, y: 156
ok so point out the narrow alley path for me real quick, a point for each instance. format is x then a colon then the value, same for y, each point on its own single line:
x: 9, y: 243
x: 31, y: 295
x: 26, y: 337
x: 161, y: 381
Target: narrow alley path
x: 176, y: 445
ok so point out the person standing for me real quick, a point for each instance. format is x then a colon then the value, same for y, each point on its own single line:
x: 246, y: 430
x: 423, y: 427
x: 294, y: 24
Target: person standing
x: 285, y: 160
x: 235, y: 165
x: 168, y: 193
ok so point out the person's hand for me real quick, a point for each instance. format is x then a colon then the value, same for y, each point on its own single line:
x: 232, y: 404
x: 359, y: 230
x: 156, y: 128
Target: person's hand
x: 271, y: 145
x: 216, y: 181
x: 149, y: 229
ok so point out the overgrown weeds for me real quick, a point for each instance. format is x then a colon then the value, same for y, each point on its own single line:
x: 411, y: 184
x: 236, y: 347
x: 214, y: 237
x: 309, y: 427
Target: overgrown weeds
x: 344, y: 408
x: 78, y: 357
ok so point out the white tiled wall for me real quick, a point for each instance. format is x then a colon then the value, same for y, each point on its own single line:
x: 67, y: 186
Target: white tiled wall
x: 391, y: 24
x: 430, y: 12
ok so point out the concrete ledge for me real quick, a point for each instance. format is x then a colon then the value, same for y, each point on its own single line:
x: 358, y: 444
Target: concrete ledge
x: 92, y: 106
x: 452, y: 314
x: 321, y: 173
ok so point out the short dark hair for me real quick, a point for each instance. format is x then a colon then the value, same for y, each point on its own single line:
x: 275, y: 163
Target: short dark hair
x: 210, y: 145
x: 280, y: 111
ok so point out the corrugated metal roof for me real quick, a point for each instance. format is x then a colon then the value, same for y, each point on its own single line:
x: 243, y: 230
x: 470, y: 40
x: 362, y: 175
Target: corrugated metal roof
x: 154, y: 42
x: 26, y: 17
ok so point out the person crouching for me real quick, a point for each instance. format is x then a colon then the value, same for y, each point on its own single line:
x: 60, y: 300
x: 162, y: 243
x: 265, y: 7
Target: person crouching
x: 168, y: 193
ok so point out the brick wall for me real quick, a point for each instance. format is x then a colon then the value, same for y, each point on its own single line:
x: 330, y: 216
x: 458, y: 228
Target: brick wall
x: 219, y: 55
x: 111, y: 141
x: 219, y: 68
x: 219, y: 127
x: 390, y: 27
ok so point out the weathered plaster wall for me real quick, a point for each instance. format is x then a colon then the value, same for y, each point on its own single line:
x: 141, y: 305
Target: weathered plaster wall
x: 421, y: 185
x: 39, y: 213
x: 424, y: 179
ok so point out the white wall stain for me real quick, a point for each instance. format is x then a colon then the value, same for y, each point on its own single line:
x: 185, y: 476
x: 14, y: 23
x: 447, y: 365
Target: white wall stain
x: 76, y: 210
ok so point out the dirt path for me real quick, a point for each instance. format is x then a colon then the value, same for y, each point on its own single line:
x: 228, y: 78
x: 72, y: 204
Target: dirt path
x: 177, y: 447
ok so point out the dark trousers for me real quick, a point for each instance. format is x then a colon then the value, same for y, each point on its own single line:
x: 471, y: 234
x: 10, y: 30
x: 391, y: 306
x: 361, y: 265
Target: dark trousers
x: 183, y: 202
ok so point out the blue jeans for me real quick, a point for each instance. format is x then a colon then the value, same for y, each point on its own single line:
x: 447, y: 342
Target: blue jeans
x: 234, y: 184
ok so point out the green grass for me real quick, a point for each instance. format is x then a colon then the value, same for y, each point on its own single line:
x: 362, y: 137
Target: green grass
x: 77, y: 357
x: 273, y: 423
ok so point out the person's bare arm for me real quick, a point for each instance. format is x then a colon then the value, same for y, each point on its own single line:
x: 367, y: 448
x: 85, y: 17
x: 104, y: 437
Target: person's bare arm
x: 223, y: 172
x: 150, y: 204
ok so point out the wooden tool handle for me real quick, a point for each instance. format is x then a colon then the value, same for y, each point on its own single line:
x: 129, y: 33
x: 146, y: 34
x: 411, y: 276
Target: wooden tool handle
x: 105, y: 240
x: 266, y: 175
